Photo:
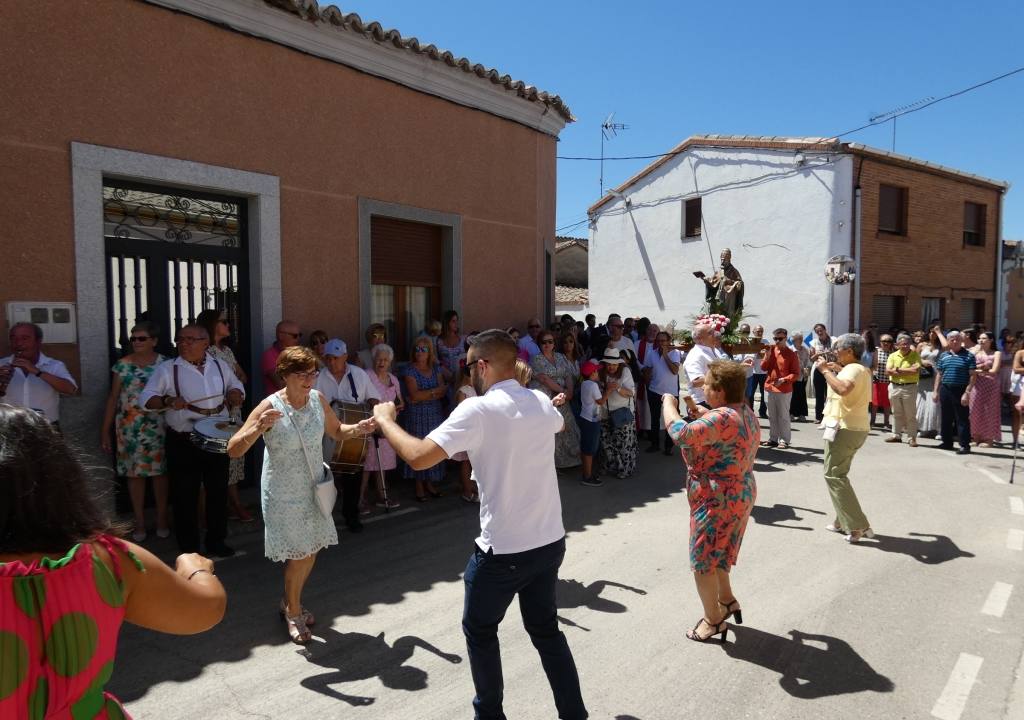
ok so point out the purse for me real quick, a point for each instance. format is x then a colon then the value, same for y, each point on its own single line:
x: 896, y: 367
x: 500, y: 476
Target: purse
x: 324, y: 489
x: 620, y: 416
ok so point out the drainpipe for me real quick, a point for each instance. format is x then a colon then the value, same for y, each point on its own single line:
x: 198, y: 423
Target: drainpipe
x: 1000, y: 299
x: 856, y: 257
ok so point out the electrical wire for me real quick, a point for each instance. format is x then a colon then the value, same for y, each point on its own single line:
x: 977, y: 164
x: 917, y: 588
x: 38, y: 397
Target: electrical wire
x: 831, y: 138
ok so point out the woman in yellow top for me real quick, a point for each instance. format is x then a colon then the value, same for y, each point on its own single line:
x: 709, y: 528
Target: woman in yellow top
x: 846, y: 429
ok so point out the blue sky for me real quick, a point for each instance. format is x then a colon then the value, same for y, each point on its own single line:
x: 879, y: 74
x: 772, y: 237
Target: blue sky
x: 674, y: 69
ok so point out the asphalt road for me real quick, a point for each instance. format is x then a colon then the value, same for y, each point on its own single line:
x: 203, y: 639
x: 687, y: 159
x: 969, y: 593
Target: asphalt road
x: 924, y: 621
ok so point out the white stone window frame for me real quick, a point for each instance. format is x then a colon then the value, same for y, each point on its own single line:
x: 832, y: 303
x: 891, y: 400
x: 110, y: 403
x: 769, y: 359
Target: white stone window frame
x: 91, y: 165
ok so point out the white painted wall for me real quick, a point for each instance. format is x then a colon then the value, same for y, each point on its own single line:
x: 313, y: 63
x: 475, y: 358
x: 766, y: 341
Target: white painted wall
x: 753, y: 201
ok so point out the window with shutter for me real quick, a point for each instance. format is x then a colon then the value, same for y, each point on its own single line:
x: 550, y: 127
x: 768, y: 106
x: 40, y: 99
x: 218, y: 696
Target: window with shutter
x: 691, y: 218
x: 972, y: 311
x: 892, y: 209
x: 887, y: 311
x: 974, y: 224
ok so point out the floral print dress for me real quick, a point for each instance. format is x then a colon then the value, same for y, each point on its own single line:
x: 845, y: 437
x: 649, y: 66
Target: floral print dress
x: 140, y: 434
x: 59, y: 622
x: 567, y: 442
x: 421, y: 418
x: 719, y: 450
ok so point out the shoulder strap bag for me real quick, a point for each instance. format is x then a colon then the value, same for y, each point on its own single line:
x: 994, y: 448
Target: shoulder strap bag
x: 324, y: 489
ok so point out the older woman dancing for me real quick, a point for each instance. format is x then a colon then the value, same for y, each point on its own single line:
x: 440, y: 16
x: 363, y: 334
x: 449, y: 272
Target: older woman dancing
x: 719, y: 449
x: 846, y: 429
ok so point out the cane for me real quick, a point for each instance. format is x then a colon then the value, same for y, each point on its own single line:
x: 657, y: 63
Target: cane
x: 383, y: 481
x: 1013, y: 467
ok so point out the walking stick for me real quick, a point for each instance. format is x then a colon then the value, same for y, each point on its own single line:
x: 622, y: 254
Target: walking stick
x: 383, y: 481
x: 1013, y: 467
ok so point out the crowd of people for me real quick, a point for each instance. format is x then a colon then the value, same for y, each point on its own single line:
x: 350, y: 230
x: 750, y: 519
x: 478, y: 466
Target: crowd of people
x: 557, y: 397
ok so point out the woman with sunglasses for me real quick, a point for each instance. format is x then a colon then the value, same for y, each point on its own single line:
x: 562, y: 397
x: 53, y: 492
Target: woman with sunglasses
x: 293, y: 422
x: 317, y: 342
x: 219, y: 330
x: 424, y: 389
x: 554, y: 374
x: 139, y: 434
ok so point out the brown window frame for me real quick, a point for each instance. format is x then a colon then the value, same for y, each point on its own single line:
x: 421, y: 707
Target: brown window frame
x: 692, y: 218
x: 974, y: 237
x: 899, y: 212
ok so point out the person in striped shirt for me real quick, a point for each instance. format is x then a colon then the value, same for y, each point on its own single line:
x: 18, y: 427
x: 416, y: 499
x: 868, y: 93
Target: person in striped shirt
x: 954, y: 378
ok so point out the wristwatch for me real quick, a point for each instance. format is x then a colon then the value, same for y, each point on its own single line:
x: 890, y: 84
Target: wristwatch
x: 166, y: 403
x: 38, y: 372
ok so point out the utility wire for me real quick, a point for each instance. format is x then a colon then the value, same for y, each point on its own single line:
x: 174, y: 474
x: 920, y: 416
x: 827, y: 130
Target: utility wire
x: 831, y: 137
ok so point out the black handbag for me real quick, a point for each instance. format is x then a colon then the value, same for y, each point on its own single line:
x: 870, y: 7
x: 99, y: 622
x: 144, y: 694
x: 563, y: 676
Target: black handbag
x: 619, y: 417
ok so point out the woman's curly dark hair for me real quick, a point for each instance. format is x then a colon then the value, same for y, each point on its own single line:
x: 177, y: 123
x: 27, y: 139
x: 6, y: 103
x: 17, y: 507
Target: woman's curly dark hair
x: 45, y: 505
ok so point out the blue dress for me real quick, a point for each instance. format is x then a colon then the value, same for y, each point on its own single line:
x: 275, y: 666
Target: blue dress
x: 295, y: 527
x: 421, y: 418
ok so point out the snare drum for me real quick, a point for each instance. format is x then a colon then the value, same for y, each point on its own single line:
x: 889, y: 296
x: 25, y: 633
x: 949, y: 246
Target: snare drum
x: 349, y: 456
x: 212, y: 434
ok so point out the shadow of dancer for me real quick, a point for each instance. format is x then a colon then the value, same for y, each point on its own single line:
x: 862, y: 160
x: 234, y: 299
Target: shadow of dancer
x: 930, y: 552
x: 778, y: 513
x: 573, y: 594
x: 808, y: 671
x: 357, y: 656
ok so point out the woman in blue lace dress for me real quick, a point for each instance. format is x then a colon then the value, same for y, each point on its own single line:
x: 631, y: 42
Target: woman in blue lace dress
x: 424, y: 389
x: 293, y: 422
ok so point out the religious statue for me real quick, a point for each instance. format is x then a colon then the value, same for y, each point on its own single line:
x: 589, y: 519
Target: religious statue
x: 724, y: 288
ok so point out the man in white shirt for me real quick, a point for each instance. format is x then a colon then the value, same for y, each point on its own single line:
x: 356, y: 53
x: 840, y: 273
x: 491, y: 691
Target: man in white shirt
x: 528, y: 347
x: 195, y: 386
x: 663, y: 362
x: 616, y: 338
x: 697, y: 360
x: 343, y: 382
x: 755, y: 382
x: 30, y: 379
x: 509, y: 434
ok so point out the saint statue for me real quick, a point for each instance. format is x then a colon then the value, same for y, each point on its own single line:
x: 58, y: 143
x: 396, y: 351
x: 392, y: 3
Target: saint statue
x: 724, y: 288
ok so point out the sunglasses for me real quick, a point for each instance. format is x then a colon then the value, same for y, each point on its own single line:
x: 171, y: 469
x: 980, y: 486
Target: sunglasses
x: 420, y: 348
x: 886, y: 342
x: 319, y: 342
x: 470, y: 364
x: 779, y: 338
x: 617, y: 326
x: 139, y: 338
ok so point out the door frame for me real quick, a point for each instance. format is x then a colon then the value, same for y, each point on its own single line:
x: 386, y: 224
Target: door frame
x: 90, y: 164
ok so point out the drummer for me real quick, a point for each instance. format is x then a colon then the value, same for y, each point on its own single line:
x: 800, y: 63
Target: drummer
x: 192, y: 387
x: 341, y: 381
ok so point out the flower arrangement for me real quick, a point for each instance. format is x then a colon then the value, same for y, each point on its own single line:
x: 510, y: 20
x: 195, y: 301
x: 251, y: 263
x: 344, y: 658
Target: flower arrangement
x: 718, y: 323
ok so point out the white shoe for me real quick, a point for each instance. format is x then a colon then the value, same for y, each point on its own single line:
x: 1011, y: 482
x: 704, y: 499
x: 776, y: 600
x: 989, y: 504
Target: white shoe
x: 139, y: 536
x: 855, y: 536
x: 163, y: 533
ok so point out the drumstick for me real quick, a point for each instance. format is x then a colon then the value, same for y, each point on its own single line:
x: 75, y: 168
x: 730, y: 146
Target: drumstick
x: 210, y: 397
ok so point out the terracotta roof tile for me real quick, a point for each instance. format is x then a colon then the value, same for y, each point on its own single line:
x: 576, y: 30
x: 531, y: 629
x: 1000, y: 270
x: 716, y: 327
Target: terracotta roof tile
x: 566, y: 295
x: 562, y: 242
x: 331, y: 15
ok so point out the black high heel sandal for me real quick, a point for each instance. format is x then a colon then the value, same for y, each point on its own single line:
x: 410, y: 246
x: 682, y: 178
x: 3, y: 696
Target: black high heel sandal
x: 721, y: 630
x: 731, y: 612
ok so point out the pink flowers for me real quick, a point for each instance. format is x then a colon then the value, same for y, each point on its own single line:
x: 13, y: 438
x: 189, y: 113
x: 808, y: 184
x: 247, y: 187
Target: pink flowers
x: 716, y: 322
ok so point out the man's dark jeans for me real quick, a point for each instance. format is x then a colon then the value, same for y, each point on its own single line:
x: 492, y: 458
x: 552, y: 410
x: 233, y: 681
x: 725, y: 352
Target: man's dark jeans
x: 956, y: 418
x: 492, y: 581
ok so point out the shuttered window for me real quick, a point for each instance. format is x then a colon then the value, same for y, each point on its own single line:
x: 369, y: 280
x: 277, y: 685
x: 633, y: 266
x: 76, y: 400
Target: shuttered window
x: 691, y: 218
x: 405, y: 253
x: 972, y: 311
x: 887, y: 312
x: 974, y: 224
x: 892, y: 209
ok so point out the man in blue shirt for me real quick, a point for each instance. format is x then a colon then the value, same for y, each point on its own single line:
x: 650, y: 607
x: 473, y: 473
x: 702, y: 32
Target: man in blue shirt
x: 954, y: 378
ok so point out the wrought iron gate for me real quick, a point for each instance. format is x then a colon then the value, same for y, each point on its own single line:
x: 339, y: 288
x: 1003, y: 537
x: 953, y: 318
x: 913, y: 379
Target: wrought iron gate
x: 170, y: 255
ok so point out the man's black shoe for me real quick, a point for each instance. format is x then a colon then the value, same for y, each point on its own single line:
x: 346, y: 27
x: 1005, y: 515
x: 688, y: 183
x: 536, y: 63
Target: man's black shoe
x: 963, y: 451
x: 220, y: 551
x: 944, y: 446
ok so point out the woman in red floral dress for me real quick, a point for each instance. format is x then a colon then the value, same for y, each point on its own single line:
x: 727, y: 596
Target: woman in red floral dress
x: 719, y: 449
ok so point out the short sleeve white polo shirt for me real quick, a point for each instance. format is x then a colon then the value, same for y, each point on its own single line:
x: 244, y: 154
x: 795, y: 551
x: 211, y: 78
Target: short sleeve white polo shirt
x: 509, y: 434
x: 663, y: 380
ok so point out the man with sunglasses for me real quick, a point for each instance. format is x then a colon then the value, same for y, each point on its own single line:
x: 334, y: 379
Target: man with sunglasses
x: 30, y: 379
x: 192, y: 387
x: 288, y: 335
x: 508, y: 432
x: 528, y: 347
x: 782, y: 368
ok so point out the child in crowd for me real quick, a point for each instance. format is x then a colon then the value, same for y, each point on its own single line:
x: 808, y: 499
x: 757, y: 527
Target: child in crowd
x: 591, y: 398
x: 465, y: 390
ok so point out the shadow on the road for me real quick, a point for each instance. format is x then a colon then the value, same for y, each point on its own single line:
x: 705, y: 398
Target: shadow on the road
x: 930, y: 552
x: 574, y: 594
x: 791, y: 456
x: 808, y: 671
x: 389, y: 563
x: 778, y: 514
x: 358, y: 656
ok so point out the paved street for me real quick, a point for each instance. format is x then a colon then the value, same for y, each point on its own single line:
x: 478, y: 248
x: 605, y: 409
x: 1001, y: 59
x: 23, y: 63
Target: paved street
x: 923, y: 621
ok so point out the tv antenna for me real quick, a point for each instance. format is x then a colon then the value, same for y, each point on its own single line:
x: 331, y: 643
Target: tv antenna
x: 609, y: 129
x: 895, y: 113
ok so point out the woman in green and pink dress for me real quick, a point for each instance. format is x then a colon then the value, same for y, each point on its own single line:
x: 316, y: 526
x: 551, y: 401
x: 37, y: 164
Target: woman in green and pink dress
x: 719, y: 449
x: 67, y: 583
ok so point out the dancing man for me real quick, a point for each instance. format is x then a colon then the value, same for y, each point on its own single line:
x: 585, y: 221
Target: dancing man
x: 509, y: 435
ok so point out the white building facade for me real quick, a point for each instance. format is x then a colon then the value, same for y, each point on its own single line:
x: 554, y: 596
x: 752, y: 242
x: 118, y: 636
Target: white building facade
x: 783, y: 206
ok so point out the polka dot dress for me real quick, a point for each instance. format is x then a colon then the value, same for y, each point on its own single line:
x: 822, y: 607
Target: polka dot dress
x: 59, y: 621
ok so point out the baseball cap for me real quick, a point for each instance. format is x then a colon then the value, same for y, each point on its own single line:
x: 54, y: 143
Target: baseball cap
x: 589, y: 368
x: 335, y: 347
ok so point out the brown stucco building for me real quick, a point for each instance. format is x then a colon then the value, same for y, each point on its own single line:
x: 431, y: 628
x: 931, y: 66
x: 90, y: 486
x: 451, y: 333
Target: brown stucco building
x: 274, y: 157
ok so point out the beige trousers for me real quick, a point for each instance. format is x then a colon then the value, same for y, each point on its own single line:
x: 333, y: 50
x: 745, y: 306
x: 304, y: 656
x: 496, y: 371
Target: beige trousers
x: 904, y: 409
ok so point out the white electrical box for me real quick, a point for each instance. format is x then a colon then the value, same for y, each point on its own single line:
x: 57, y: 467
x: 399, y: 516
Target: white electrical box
x: 57, y: 319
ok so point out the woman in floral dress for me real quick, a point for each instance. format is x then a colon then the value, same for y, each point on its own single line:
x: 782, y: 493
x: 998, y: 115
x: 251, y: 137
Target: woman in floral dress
x: 139, y: 434
x: 554, y: 374
x: 451, y: 354
x: 381, y: 357
x: 424, y: 389
x: 719, y: 449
